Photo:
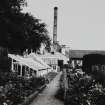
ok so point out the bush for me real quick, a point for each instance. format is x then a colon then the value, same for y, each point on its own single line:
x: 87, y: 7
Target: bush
x: 19, y: 88
x: 84, y: 90
x: 37, y: 82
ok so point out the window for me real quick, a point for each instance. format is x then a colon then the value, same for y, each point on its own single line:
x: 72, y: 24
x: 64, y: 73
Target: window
x: 95, y: 67
x: 103, y: 67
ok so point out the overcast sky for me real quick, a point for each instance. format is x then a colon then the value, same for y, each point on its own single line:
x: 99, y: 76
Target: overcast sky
x: 81, y: 23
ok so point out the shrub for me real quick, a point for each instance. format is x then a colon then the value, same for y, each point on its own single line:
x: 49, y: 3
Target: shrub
x: 85, y: 90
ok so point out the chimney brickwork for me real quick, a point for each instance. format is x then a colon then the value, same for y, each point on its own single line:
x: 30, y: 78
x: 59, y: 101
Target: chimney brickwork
x: 55, y: 25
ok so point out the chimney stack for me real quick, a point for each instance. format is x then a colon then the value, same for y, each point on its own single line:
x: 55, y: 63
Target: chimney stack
x: 55, y: 25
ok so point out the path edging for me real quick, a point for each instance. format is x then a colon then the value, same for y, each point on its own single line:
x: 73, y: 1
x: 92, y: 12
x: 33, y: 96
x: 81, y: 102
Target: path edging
x: 30, y: 98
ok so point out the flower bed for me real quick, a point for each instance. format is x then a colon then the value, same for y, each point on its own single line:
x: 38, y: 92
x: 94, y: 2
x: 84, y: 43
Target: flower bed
x: 16, y: 89
x: 84, y: 90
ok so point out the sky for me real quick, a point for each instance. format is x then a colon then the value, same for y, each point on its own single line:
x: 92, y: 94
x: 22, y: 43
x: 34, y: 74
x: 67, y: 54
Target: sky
x: 81, y: 23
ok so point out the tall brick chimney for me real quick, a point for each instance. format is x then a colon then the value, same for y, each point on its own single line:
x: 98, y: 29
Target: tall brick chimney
x: 55, y: 25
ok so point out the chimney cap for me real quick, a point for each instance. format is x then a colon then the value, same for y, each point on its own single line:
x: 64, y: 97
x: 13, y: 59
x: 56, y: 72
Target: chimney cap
x: 55, y: 8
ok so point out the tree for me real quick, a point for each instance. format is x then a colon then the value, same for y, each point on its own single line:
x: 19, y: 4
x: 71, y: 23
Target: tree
x: 9, y: 15
x: 36, y: 33
x: 8, y: 9
x: 20, y: 31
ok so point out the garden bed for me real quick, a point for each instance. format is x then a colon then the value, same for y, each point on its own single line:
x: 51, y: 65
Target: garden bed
x: 84, y: 90
x: 17, y: 89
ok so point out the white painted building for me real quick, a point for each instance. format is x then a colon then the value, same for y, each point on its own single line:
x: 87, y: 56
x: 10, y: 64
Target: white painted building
x: 28, y: 66
x: 52, y: 59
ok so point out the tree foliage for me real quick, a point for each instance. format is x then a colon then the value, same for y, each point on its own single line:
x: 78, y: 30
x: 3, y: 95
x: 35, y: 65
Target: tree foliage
x: 20, y: 31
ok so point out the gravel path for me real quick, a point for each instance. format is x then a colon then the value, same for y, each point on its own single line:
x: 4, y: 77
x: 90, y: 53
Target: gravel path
x: 47, y: 96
